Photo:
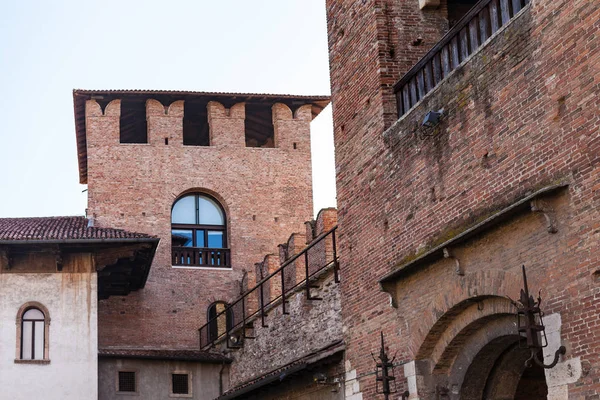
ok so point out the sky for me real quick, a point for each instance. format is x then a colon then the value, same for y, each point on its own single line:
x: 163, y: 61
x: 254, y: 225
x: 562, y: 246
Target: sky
x: 49, y: 48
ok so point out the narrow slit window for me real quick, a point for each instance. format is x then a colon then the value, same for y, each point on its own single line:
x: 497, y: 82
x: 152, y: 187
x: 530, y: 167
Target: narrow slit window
x: 259, y: 125
x: 133, y: 124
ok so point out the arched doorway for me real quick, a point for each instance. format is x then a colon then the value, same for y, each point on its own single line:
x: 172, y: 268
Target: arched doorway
x: 498, y: 372
x: 473, y: 353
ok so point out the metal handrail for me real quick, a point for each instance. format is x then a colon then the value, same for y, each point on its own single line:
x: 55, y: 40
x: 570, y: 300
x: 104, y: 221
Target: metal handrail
x: 478, y: 25
x: 240, y: 321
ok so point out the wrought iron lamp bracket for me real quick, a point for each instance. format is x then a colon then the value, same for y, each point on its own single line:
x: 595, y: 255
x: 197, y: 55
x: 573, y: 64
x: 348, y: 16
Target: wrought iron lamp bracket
x: 534, y: 358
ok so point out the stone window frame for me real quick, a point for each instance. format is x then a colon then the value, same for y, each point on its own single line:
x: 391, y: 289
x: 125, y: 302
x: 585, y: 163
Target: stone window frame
x: 137, y: 386
x: 190, y: 384
x: 19, y: 329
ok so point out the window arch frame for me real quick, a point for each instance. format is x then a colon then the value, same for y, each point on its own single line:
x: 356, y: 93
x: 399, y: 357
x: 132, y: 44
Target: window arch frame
x: 33, y: 305
x: 213, y: 326
x: 212, y: 257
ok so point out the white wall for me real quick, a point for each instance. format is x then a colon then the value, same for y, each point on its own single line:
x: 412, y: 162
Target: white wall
x: 71, y: 300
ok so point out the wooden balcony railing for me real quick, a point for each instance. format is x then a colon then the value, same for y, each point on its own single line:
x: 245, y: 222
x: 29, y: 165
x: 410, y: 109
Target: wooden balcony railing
x: 297, y: 273
x: 462, y: 40
x: 200, y: 257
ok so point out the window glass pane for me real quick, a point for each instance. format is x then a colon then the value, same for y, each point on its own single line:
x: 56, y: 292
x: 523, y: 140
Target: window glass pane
x: 215, y: 239
x: 184, y: 211
x: 39, y: 340
x: 210, y: 212
x: 200, y: 238
x: 34, y: 313
x: 181, y: 237
x: 27, y: 343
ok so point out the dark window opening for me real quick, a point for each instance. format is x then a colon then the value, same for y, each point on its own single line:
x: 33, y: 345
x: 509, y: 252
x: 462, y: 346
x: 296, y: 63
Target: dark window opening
x: 180, y: 383
x: 219, y: 325
x: 126, y: 381
x: 133, y: 125
x: 195, y: 123
x: 457, y: 9
x: 259, y: 125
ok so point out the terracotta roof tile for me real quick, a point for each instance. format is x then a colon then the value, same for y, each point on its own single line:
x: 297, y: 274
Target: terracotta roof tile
x: 59, y: 228
x: 160, y: 354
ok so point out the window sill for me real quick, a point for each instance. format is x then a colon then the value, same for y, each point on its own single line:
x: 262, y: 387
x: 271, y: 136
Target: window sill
x: 209, y: 268
x: 128, y: 393
x: 36, y: 362
x: 181, y: 395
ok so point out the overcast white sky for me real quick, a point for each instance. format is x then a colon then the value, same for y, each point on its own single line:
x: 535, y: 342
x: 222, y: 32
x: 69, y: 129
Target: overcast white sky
x: 48, y: 48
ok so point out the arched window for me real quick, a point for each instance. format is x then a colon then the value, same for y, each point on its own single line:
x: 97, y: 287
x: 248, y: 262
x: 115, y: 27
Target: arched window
x: 219, y: 323
x: 32, y: 332
x: 198, y: 232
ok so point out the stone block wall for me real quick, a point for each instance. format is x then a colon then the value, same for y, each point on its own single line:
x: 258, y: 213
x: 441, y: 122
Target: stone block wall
x: 521, y: 114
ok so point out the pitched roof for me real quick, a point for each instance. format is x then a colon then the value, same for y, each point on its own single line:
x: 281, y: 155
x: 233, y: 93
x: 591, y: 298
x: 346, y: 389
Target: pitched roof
x: 161, y: 354
x: 62, y: 229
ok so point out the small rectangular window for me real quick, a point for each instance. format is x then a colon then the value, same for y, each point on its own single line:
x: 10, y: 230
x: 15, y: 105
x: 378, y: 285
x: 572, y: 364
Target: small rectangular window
x: 127, y: 381
x: 181, y: 384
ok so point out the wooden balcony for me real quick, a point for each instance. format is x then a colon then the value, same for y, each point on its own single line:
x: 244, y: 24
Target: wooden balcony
x: 482, y: 22
x: 200, y: 257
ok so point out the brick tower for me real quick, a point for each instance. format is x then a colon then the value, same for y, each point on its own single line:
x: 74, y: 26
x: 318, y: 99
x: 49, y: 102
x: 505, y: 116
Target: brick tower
x: 467, y: 145
x: 237, y: 165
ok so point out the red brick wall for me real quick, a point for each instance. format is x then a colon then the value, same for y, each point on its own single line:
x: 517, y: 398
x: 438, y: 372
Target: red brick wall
x: 266, y: 192
x: 309, y: 325
x: 523, y: 113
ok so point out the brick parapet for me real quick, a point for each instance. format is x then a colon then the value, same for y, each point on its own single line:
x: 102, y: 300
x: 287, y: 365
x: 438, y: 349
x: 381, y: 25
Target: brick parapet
x: 310, y: 325
x: 226, y: 124
x: 165, y: 124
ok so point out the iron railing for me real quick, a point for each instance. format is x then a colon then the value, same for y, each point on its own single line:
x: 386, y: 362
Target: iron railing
x: 294, y: 274
x: 462, y: 40
x: 200, y: 257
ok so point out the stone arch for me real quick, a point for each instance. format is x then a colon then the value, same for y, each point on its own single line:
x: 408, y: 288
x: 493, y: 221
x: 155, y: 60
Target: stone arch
x: 472, y: 352
x: 470, y: 289
x: 19, y: 326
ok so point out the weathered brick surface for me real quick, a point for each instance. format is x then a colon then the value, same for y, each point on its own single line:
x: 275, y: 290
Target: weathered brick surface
x: 266, y: 193
x: 310, y: 326
x: 521, y: 114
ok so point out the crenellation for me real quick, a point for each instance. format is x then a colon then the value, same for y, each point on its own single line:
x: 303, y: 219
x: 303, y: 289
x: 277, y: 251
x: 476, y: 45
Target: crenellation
x: 165, y: 124
x: 102, y: 128
x: 289, y: 126
x: 226, y: 124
